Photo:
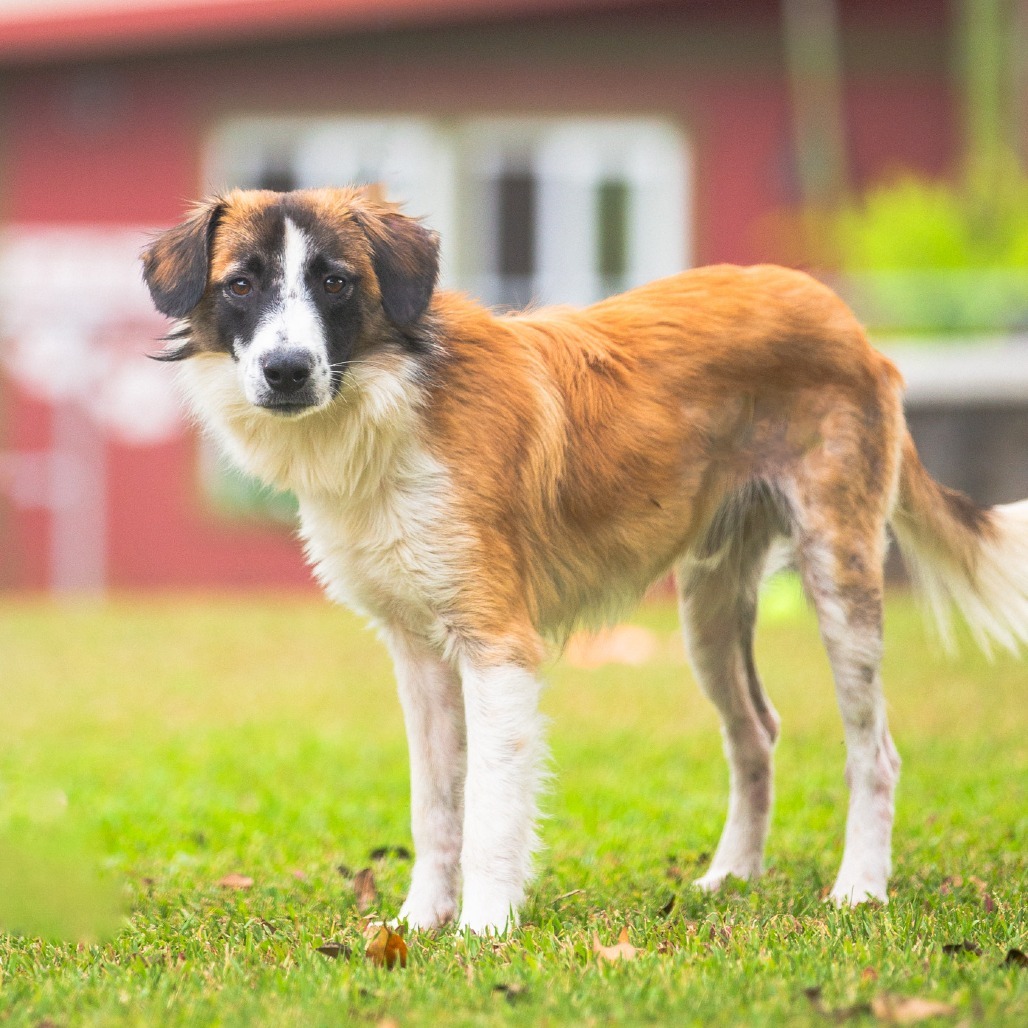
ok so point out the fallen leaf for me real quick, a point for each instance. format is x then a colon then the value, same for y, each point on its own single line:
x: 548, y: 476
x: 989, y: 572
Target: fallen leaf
x: 989, y: 903
x: 1016, y: 957
x: 386, y: 948
x: 952, y: 948
x: 334, y: 950
x: 512, y: 992
x: 364, y: 890
x: 621, y: 950
x: 949, y: 883
x: 836, y: 1014
x: 869, y: 974
x: 908, y: 1009
x: 568, y: 895
x: 381, y: 852
x: 235, y: 881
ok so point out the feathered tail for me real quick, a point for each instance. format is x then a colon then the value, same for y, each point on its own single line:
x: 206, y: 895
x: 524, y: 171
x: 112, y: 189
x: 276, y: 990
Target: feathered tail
x: 963, y: 555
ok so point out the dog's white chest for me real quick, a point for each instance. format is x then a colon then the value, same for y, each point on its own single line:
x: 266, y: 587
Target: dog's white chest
x: 389, y: 554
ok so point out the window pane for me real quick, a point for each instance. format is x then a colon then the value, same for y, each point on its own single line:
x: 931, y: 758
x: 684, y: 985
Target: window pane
x: 279, y: 179
x: 516, y: 229
x: 612, y: 200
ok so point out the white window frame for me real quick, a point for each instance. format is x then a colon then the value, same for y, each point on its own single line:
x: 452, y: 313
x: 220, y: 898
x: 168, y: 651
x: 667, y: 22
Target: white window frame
x: 442, y: 170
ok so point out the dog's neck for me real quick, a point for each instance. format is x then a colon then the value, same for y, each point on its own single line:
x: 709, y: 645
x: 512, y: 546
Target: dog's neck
x: 344, y: 452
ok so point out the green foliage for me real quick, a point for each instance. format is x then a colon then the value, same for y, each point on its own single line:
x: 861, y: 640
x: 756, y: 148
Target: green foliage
x: 929, y: 257
x: 181, y: 741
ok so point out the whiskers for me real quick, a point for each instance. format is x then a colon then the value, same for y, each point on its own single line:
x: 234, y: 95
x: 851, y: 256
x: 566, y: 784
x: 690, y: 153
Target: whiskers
x: 347, y: 364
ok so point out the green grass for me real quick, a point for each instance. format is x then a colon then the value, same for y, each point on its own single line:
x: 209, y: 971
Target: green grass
x: 147, y: 748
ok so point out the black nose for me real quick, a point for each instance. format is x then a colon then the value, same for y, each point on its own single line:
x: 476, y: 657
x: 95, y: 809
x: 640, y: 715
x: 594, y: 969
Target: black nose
x: 286, y: 371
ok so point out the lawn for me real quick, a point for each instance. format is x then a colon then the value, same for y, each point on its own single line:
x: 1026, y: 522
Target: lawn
x: 150, y: 748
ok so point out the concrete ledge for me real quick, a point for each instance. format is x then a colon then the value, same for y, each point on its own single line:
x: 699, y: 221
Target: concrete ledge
x: 970, y: 373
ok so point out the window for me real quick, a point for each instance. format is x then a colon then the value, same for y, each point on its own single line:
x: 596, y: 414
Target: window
x: 568, y: 210
x: 529, y: 210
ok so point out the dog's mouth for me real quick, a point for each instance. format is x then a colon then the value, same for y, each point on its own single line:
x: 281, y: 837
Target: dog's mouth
x: 288, y: 406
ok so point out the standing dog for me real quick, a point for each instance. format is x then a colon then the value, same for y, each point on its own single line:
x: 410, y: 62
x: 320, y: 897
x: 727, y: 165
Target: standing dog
x: 472, y: 483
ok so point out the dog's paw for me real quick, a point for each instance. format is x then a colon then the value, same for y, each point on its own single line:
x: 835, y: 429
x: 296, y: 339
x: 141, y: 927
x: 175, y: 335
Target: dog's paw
x: 715, y: 878
x: 851, y: 893
x: 710, y: 882
x: 489, y: 914
x: 423, y: 913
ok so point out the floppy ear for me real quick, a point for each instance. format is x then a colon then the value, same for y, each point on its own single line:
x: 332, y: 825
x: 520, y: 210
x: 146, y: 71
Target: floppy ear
x: 405, y: 256
x: 176, y: 263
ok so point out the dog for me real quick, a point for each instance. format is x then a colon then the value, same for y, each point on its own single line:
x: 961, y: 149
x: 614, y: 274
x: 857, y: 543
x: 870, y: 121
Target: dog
x: 474, y: 484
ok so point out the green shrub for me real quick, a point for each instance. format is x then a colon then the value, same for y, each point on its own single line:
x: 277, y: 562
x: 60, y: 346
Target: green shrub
x: 927, y: 257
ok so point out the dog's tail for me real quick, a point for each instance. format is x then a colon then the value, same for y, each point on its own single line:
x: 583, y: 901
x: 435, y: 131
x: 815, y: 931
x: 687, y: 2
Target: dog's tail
x: 963, y: 555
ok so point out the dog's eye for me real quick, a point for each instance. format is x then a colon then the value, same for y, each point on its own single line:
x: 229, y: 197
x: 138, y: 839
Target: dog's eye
x: 240, y: 287
x: 335, y: 284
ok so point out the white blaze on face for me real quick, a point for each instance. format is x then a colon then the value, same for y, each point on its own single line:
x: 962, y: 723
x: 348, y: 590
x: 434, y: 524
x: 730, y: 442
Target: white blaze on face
x: 291, y: 323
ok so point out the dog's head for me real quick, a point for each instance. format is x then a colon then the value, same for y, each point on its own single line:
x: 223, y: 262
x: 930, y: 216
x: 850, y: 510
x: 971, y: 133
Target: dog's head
x: 293, y: 287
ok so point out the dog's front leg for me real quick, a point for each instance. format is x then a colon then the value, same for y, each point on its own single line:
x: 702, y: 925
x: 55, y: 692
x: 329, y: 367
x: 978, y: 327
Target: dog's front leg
x: 505, y: 756
x: 430, y: 695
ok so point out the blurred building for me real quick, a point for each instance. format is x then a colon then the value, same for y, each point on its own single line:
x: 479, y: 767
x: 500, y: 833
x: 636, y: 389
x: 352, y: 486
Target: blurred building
x: 565, y: 149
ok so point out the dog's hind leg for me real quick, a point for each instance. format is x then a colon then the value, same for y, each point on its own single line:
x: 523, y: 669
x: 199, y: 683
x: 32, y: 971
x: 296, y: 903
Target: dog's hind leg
x: 718, y: 603
x: 840, y: 501
x: 434, y: 716
x: 841, y: 567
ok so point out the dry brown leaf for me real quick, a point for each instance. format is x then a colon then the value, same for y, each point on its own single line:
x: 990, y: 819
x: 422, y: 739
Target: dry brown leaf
x: 382, y: 852
x: 568, y: 895
x: 386, y: 948
x: 621, y: 950
x: 908, y: 1009
x: 512, y: 992
x: 837, y: 1014
x: 1016, y: 957
x: 334, y: 950
x: 949, y: 883
x: 869, y: 974
x: 235, y: 881
x: 364, y: 889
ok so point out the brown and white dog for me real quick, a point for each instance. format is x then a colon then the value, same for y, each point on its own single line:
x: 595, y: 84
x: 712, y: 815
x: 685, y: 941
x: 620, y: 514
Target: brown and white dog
x: 475, y: 483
